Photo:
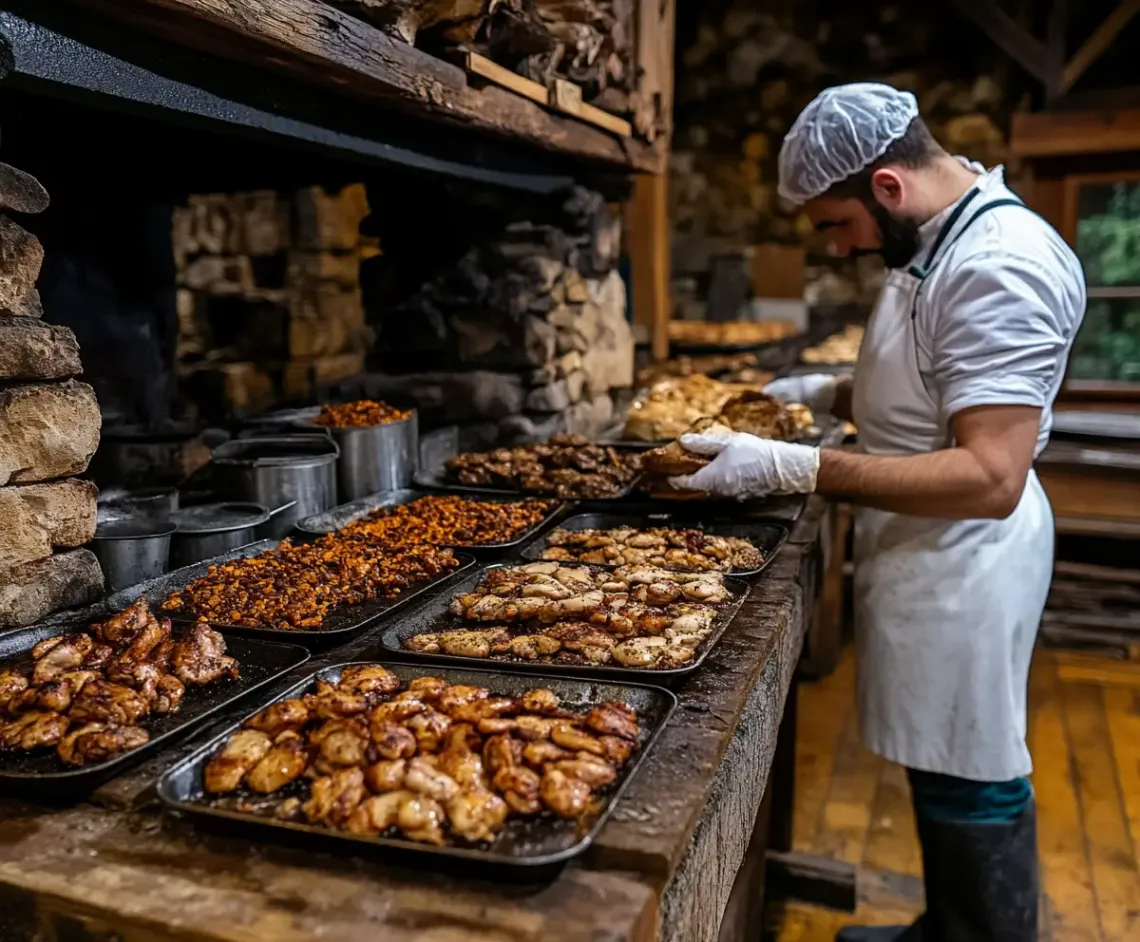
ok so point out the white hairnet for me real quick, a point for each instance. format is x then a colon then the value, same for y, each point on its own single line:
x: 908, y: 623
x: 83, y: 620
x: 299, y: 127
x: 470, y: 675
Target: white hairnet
x: 843, y: 130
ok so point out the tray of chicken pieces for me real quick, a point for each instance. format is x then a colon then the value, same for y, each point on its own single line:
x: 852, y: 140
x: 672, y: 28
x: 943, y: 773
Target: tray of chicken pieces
x: 467, y: 764
x: 316, y: 594
x: 662, y: 541
x: 628, y: 622
x: 81, y: 705
x: 465, y: 523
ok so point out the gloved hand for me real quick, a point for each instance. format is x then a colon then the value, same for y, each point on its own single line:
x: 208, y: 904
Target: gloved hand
x: 746, y: 466
x: 814, y: 390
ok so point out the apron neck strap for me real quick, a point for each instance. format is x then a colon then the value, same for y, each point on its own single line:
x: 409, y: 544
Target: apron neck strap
x: 921, y: 271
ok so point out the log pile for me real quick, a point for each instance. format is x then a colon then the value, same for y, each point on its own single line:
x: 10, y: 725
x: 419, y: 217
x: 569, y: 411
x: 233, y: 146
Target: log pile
x: 522, y: 336
x: 587, y: 42
x: 49, y: 429
x: 269, y: 303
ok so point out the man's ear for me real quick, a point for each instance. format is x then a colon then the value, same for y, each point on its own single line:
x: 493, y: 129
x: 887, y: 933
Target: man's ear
x: 887, y: 187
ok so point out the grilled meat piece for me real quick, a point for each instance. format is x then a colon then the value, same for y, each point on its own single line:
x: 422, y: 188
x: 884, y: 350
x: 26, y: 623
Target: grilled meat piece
x: 333, y: 702
x: 65, y: 653
x: 280, y: 716
x: 594, y: 771
x: 225, y: 771
x: 614, y: 719
x: 519, y: 787
x: 101, y: 701
x: 617, y: 750
x: 333, y: 798
x: 567, y: 797
x: 424, y: 778
x: 429, y: 728
x: 387, y: 775
x: 536, y: 754
x: 368, y: 679
x: 283, y: 763
x: 97, y: 742
x: 12, y: 684
x: 121, y: 667
x: 541, y: 701
x: 422, y: 818
x: 33, y: 730
x: 570, y: 736
x: 377, y: 814
x: 200, y: 657
x: 392, y: 741
x: 476, y: 815
x: 168, y: 694
x: 120, y: 628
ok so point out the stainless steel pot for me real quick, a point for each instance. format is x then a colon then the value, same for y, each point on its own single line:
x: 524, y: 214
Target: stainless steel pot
x: 376, y: 458
x: 278, y: 469
x: 209, y: 530
x: 132, y: 550
x: 150, y: 503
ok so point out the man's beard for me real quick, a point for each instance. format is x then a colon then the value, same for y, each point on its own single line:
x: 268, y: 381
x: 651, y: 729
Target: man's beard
x: 899, y: 237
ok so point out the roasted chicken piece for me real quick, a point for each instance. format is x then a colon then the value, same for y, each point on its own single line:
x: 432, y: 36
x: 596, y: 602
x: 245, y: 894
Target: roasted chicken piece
x: 59, y: 655
x: 387, y: 775
x: 501, y: 752
x: 12, y: 683
x: 655, y: 652
x: 33, y: 730
x: 283, y: 763
x: 567, y: 797
x: 617, y: 750
x: 422, y: 818
x: 582, y: 638
x: 397, y: 710
x: 342, y: 743
x: 614, y: 719
x: 457, y: 695
x: 123, y: 667
x: 570, y: 735
x: 429, y: 728
x: 280, y: 716
x: 424, y: 778
x: 594, y: 771
x: 101, y: 701
x: 120, y: 628
x: 427, y: 689
x: 489, y: 708
x: 99, y: 657
x: 200, y: 657
x: 532, y: 647
x: 461, y: 761
x: 519, y: 787
x: 541, y: 701
x: 533, y: 727
x: 392, y: 741
x: 333, y: 798
x: 536, y: 754
x: 97, y: 742
x: 467, y: 642
x: 368, y: 679
x: 55, y: 696
x: 377, y: 814
x: 331, y: 702
x: 476, y: 815
x: 225, y: 771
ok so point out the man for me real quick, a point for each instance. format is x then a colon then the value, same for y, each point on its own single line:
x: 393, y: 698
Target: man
x: 952, y: 395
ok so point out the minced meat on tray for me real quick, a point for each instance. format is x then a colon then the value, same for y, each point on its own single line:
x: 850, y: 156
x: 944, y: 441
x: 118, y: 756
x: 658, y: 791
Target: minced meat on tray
x: 450, y: 520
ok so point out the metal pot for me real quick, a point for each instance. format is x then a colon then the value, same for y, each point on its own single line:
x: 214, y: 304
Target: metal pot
x: 132, y: 550
x: 276, y: 470
x: 150, y: 503
x: 209, y: 530
x: 376, y: 458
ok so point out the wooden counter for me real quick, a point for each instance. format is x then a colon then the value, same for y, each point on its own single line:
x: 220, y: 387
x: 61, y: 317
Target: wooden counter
x: 663, y: 867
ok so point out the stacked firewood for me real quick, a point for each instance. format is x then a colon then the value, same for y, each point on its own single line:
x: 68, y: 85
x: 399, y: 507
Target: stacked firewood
x: 49, y: 429
x: 269, y: 302
x: 588, y: 42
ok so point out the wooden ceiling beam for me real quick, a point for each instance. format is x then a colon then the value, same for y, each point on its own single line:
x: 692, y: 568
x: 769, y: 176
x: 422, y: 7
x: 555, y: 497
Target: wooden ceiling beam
x: 1012, y: 38
x: 1097, y: 43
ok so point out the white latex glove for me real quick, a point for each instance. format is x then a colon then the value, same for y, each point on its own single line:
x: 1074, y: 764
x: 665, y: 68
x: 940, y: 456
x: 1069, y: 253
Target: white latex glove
x: 746, y: 466
x: 814, y: 390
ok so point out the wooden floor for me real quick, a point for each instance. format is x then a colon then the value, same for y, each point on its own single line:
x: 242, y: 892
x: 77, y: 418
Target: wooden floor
x: 1084, y: 732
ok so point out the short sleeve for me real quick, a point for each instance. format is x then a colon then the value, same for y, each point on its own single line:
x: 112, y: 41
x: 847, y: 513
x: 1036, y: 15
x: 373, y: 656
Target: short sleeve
x: 1000, y: 334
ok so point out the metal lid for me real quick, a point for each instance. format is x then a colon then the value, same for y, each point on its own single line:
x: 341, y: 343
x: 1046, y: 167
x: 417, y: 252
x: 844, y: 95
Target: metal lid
x: 220, y: 518
x: 132, y: 528
x: 278, y: 451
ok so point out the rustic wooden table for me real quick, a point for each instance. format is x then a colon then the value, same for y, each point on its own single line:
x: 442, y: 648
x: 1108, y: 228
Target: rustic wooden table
x: 664, y: 866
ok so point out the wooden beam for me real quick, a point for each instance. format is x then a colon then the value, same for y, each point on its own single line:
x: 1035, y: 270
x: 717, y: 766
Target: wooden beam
x: 1098, y: 42
x: 324, y: 45
x: 1055, y: 48
x: 1014, y: 40
x: 1064, y: 133
x: 647, y: 223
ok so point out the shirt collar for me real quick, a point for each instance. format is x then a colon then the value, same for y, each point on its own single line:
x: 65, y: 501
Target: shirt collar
x: 987, y: 180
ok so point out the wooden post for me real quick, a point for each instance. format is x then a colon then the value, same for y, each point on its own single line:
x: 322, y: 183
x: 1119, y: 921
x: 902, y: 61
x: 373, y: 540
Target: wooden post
x: 647, y: 228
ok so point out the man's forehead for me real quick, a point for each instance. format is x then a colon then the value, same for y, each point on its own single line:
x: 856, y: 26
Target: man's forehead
x: 827, y: 211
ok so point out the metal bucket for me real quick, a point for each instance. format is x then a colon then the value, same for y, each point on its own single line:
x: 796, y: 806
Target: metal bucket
x: 132, y: 550
x: 376, y: 458
x: 278, y: 469
x: 209, y: 530
x: 149, y: 503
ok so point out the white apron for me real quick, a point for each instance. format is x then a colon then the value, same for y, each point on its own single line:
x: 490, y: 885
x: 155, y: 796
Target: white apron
x: 946, y: 611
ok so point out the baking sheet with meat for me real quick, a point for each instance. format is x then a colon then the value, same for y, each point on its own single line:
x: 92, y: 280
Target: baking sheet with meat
x: 340, y: 517
x: 42, y: 772
x: 768, y: 538
x: 541, y: 841
x: 344, y: 623
x: 435, y: 616
x: 435, y: 479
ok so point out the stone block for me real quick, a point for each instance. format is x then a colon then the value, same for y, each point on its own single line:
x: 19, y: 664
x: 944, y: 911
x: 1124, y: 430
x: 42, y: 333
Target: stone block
x: 544, y: 272
x: 552, y: 398
x: 32, y: 349
x: 569, y: 363
x: 541, y: 341
x: 563, y: 317
x: 34, y: 590
x: 575, y: 287
x: 575, y: 384
x: 327, y: 320
x: 39, y: 518
x: 330, y: 221
x: 21, y: 192
x: 21, y: 256
x: 47, y: 431
x: 455, y: 397
x: 306, y: 268
x: 232, y: 389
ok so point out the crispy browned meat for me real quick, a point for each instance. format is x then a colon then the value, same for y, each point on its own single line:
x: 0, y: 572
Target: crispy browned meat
x: 565, y: 796
x: 569, y: 735
x: 280, y: 716
x: 359, y: 414
x: 65, y: 654
x: 101, y: 701
x: 594, y: 771
x: 97, y: 742
x: 244, y: 749
x: 283, y: 763
x: 368, y: 679
x: 168, y: 694
x: 476, y: 815
x: 614, y: 719
x: 671, y: 548
x: 120, y: 628
x: 538, y: 753
x: 12, y: 684
x: 377, y: 814
x: 450, y: 520
x: 387, y: 775
x: 33, y: 730
x: 392, y: 741
x: 138, y: 651
x: 332, y: 798
x: 200, y: 657
x: 333, y: 702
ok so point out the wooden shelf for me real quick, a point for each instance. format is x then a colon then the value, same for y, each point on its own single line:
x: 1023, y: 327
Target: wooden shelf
x: 324, y: 47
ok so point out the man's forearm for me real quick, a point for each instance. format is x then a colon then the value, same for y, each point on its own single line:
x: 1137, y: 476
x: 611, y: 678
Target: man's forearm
x: 950, y: 483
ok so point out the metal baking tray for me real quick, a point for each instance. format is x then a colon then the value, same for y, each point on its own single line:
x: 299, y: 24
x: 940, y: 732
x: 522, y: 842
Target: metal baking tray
x: 42, y: 772
x: 342, y: 624
x: 332, y: 520
x: 813, y: 437
x: 537, y: 842
x: 436, y: 480
x: 768, y: 538
x: 433, y: 615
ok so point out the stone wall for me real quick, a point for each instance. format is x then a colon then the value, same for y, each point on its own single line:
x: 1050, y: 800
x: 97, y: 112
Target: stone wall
x: 522, y: 333
x: 745, y: 69
x: 49, y: 429
x: 269, y: 303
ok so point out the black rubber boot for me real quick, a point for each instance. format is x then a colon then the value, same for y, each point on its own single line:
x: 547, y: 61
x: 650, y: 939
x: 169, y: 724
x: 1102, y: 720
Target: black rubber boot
x: 911, y: 933
x: 981, y: 880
